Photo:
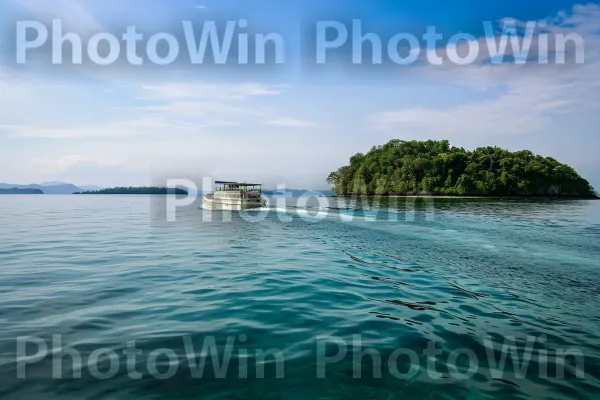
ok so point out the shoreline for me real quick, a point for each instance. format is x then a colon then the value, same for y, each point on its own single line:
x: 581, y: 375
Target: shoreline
x: 433, y: 196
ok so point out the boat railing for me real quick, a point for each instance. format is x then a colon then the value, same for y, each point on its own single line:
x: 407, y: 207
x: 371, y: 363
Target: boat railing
x: 239, y: 194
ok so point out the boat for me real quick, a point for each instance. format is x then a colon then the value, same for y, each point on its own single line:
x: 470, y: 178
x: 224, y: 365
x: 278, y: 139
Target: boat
x: 234, y: 196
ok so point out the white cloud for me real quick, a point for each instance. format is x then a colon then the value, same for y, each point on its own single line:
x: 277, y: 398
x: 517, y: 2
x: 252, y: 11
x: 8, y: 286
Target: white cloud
x: 292, y: 123
x: 122, y: 129
x: 68, y: 162
x: 222, y: 91
x: 217, y: 104
x: 89, y: 168
x: 529, y: 97
x: 172, y: 108
x: 200, y: 109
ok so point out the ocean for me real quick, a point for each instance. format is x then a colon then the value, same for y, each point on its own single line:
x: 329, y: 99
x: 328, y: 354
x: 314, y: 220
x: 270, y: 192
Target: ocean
x: 107, y: 297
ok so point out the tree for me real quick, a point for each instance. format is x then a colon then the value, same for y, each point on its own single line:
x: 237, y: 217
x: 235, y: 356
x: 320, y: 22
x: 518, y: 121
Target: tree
x: 406, y: 167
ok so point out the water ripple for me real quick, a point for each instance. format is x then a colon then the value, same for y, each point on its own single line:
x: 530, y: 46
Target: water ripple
x: 106, y: 271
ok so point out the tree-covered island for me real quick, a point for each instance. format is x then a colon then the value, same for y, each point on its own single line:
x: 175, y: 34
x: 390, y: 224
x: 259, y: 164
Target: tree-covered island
x: 139, y: 190
x: 435, y: 168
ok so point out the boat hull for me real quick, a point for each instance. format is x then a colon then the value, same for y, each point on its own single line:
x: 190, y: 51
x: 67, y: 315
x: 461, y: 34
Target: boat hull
x: 231, y: 205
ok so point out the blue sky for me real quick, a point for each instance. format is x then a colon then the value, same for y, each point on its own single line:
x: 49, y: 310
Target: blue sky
x: 290, y: 125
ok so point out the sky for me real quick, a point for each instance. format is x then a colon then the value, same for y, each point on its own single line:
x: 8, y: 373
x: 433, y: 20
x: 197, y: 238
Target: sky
x: 289, y: 124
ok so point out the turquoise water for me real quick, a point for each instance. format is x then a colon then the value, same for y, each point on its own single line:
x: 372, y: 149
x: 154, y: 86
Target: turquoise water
x: 102, y: 273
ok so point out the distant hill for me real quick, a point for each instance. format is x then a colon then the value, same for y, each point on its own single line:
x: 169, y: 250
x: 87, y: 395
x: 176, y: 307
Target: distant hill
x: 20, y: 191
x: 137, y: 191
x: 90, y: 188
x: 55, y: 183
x: 50, y: 187
x: 60, y: 189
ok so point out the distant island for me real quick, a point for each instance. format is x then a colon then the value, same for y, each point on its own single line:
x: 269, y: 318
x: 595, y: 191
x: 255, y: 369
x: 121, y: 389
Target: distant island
x: 435, y: 168
x: 138, y: 190
x: 295, y: 192
x: 20, y: 191
x: 48, y: 188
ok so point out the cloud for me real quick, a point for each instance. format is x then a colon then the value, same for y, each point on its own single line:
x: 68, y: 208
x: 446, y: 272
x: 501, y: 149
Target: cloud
x: 204, y: 113
x: 88, y: 168
x: 222, y: 104
x: 527, y: 98
x: 68, y: 162
x: 222, y: 91
x: 121, y: 129
x: 201, y: 7
x: 173, y: 108
x: 521, y: 111
x: 292, y: 123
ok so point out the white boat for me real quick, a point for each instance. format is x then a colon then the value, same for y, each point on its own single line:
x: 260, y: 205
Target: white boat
x: 234, y: 196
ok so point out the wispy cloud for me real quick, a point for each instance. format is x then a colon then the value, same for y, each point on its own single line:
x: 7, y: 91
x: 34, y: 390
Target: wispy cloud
x: 176, y: 108
x: 68, y: 162
x: 531, y: 99
x: 223, y: 91
x: 292, y: 123
x: 120, y: 129
x: 217, y: 104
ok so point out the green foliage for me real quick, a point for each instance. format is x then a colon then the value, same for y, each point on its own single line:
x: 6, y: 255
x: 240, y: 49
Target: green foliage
x: 434, y: 167
x: 138, y: 190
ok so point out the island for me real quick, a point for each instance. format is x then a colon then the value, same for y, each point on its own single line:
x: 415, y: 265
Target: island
x: 139, y: 190
x: 294, y: 192
x: 21, y: 191
x: 432, y: 167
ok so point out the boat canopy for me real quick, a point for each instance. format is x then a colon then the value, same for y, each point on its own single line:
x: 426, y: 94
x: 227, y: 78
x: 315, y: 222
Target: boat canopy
x: 243, y: 186
x: 237, y: 183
